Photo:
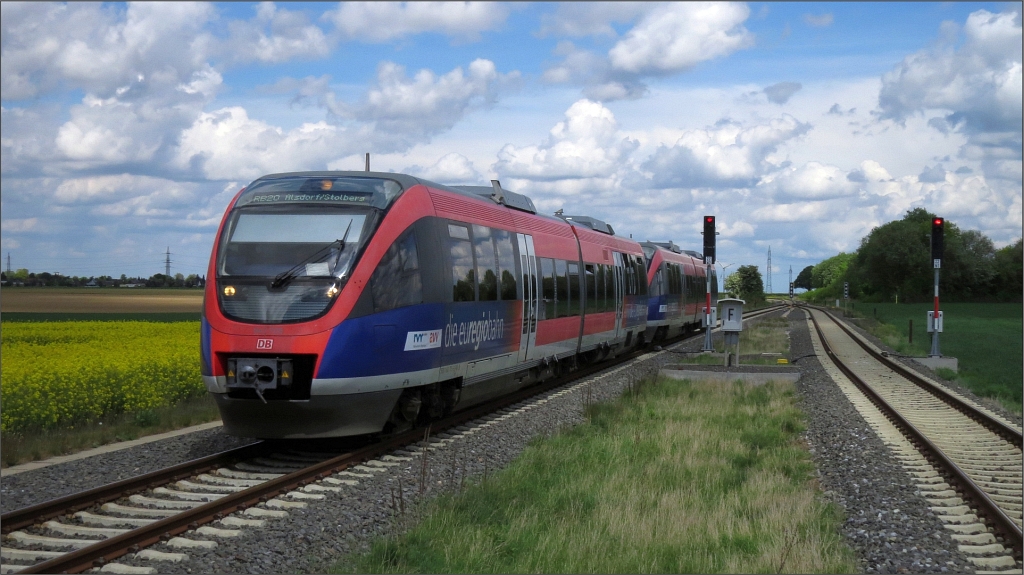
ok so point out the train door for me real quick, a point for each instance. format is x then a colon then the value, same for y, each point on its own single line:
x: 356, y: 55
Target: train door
x: 619, y: 293
x: 531, y: 299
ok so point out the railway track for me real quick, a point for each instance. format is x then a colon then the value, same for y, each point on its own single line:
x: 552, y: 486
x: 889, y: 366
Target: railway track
x: 965, y: 460
x: 206, y: 502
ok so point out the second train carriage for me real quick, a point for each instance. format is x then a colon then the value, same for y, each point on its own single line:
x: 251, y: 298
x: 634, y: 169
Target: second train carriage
x: 678, y: 289
x: 346, y: 303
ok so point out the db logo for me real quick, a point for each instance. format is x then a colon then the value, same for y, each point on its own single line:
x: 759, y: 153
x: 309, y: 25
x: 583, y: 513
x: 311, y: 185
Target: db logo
x: 264, y: 343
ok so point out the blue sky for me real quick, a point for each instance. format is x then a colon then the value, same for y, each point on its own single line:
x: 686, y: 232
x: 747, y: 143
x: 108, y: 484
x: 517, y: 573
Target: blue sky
x: 128, y: 127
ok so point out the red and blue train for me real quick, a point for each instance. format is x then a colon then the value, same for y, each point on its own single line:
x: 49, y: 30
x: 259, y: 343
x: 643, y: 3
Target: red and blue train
x: 351, y: 303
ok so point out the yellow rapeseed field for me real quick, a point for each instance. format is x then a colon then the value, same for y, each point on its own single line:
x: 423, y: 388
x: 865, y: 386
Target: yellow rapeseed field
x: 56, y: 374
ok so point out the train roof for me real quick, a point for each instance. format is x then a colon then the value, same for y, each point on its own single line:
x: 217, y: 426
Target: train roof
x: 383, y: 199
x: 494, y: 192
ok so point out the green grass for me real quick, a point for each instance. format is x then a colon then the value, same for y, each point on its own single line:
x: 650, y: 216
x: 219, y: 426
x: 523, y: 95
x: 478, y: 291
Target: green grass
x: 986, y: 339
x: 33, y: 445
x: 67, y: 316
x: 679, y: 477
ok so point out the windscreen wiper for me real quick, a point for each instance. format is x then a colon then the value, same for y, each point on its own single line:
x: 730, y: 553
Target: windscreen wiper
x: 284, y: 278
x: 341, y: 247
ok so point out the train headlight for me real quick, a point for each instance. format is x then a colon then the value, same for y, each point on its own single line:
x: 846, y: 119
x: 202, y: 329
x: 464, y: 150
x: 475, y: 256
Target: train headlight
x: 229, y: 290
x: 332, y: 291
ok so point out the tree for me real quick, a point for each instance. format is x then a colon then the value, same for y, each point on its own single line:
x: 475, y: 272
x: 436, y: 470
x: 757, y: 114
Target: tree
x: 1009, y: 269
x: 732, y: 284
x: 751, y: 286
x: 893, y: 257
x: 803, y: 279
x: 830, y: 271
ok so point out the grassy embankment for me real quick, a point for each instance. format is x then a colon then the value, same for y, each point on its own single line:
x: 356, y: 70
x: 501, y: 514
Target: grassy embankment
x: 676, y: 477
x: 110, y: 369
x: 683, y: 478
x: 986, y: 339
x: 767, y: 335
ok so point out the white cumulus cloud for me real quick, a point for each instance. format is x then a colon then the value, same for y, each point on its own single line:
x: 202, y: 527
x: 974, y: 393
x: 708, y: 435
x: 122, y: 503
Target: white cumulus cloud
x: 976, y: 85
x: 590, y: 18
x: 227, y: 144
x: 405, y: 109
x: 383, y: 21
x: 99, y: 48
x: 676, y: 36
x: 728, y: 154
x: 275, y: 35
x: 451, y: 168
x: 586, y: 144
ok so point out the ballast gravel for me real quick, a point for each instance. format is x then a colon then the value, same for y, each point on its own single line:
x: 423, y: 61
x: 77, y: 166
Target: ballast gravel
x: 888, y: 524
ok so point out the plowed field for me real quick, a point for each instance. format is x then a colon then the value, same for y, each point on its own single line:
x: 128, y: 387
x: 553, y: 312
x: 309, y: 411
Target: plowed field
x: 100, y: 300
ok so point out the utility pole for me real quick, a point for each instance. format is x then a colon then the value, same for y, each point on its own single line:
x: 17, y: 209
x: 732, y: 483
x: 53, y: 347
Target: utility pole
x: 167, y: 262
x: 8, y: 264
x: 768, y: 285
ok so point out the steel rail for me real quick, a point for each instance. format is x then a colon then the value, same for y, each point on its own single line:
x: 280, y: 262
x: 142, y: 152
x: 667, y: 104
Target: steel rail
x: 1001, y: 523
x: 998, y: 427
x: 26, y: 516
x: 109, y: 549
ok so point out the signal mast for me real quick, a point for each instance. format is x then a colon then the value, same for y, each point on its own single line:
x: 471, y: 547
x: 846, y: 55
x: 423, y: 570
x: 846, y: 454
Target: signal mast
x: 935, y: 316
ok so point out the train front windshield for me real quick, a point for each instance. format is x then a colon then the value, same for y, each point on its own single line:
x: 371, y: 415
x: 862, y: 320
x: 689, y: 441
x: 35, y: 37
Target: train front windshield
x: 315, y: 244
x: 286, y: 263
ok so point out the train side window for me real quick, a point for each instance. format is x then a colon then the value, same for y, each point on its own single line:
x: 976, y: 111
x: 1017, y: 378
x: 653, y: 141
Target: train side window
x: 463, y: 274
x: 486, y: 264
x: 641, y: 275
x: 547, y: 267
x: 627, y: 262
x: 631, y: 274
x: 590, y: 283
x: 575, y: 299
x: 506, y: 264
x: 396, y: 282
x: 656, y: 284
x: 561, y: 289
x: 609, y: 288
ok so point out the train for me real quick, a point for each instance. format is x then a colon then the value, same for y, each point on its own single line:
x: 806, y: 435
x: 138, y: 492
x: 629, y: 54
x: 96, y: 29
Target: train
x: 361, y: 303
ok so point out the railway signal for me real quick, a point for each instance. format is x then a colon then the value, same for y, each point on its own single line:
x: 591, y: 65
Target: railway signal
x: 709, y: 240
x: 937, y: 228
x: 935, y: 317
x: 709, y: 260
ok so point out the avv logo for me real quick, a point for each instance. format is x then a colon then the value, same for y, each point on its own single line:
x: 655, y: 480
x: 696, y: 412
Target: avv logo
x: 422, y: 340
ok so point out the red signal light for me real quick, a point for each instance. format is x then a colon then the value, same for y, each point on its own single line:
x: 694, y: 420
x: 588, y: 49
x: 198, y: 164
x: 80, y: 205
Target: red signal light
x: 709, y: 239
x: 937, y: 229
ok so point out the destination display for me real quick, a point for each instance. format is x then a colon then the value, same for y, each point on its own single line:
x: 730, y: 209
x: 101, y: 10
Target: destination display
x: 299, y: 197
